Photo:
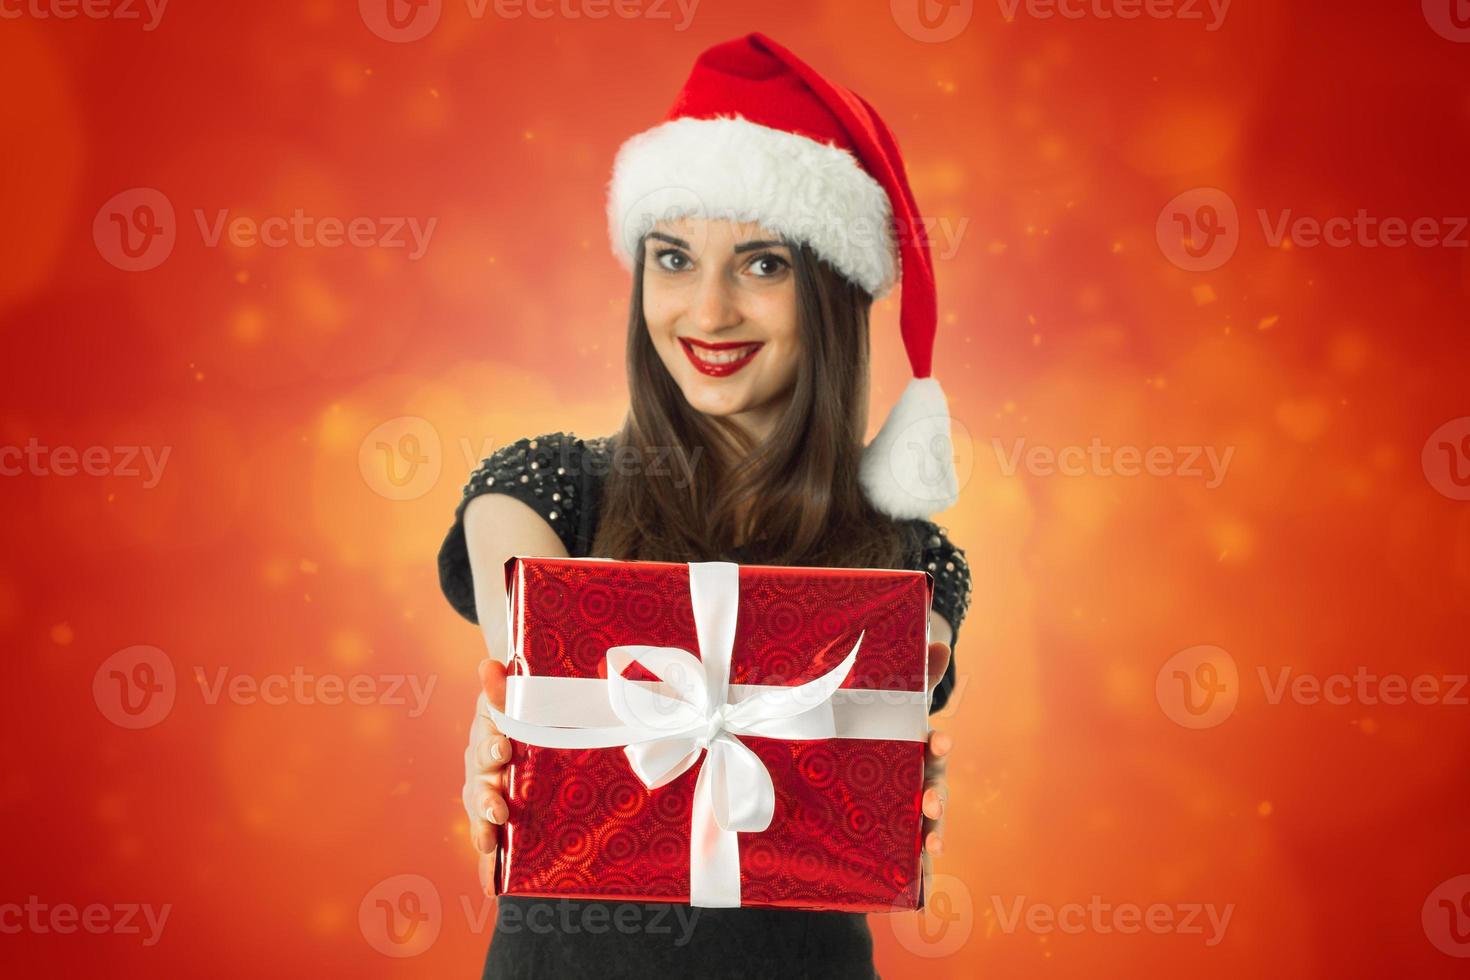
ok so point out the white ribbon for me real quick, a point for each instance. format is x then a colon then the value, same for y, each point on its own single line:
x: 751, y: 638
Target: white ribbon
x: 665, y: 729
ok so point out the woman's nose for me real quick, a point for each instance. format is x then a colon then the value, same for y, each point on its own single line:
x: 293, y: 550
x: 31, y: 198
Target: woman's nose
x: 714, y: 306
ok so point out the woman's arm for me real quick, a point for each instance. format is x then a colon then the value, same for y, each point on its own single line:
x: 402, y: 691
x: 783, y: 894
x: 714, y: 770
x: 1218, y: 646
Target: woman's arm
x: 497, y: 527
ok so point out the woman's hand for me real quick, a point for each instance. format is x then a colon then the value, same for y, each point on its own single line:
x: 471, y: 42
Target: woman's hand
x: 936, y: 758
x: 484, y: 762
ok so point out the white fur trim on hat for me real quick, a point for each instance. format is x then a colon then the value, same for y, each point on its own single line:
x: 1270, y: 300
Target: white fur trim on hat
x: 729, y: 167
x: 908, y: 468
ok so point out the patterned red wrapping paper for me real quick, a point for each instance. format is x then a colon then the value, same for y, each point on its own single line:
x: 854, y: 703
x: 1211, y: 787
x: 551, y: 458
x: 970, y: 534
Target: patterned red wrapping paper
x: 848, y: 826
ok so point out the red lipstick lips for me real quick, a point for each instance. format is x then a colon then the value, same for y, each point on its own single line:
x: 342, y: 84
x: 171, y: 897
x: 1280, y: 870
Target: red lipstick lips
x: 692, y: 349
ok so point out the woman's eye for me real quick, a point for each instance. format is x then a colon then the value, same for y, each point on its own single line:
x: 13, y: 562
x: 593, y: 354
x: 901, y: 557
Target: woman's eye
x: 768, y: 265
x: 672, y: 259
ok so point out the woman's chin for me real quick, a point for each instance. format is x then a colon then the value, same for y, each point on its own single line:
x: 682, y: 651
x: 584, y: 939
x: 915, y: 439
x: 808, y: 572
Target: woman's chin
x: 721, y: 398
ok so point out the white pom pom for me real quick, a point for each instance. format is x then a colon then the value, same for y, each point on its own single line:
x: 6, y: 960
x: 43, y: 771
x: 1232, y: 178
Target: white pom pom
x: 908, y: 469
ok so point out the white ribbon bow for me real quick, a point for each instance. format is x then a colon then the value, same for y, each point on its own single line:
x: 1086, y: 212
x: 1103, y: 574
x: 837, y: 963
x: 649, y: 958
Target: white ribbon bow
x: 664, y: 736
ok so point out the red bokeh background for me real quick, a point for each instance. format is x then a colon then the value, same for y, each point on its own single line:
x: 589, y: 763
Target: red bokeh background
x: 1048, y: 150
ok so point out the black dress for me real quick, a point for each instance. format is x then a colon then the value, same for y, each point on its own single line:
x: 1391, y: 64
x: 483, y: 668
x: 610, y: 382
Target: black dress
x: 560, y: 476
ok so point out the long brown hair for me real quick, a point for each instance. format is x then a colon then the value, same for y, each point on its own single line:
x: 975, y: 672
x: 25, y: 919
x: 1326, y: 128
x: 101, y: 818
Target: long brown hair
x: 794, y: 498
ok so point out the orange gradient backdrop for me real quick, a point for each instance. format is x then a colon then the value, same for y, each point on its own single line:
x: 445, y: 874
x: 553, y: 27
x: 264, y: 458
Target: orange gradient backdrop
x: 291, y: 529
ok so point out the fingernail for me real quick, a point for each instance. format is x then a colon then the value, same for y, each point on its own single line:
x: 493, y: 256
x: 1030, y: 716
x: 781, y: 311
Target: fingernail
x: 497, y: 749
x: 490, y: 815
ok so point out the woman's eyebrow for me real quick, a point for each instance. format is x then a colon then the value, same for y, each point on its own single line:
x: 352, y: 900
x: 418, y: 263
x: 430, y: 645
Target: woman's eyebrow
x: 742, y: 247
x: 752, y: 246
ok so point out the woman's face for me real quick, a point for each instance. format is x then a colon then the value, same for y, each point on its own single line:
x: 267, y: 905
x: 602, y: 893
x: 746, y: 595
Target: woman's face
x: 719, y: 298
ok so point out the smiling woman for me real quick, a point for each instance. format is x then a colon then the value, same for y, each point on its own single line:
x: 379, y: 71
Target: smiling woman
x: 720, y: 298
x: 748, y: 365
x: 783, y: 428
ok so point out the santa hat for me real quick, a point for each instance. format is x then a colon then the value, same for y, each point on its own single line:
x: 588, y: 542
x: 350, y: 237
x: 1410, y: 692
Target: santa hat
x: 758, y: 135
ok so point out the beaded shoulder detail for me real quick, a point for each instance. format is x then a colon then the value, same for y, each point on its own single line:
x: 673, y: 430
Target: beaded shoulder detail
x: 939, y: 556
x: 544, y: 472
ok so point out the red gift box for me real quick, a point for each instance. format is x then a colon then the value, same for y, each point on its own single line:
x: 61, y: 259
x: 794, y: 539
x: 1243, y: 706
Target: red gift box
x: 833, y: 786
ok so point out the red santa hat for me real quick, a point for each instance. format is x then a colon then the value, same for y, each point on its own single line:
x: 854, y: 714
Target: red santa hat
x: 758, y: 135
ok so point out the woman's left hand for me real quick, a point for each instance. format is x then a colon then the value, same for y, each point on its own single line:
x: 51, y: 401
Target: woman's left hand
x: 936, y: 758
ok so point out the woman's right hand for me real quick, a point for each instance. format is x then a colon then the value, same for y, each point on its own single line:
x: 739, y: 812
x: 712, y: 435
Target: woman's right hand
x: 484, y: 762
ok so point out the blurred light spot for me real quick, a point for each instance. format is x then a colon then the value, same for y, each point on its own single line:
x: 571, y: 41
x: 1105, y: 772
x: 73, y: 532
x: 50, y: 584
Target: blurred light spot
x: 62, y: 634
x: 1348, y: 353
x: 1303, y: 419
x: 111, y: 808
x: 1183, y: 133
x: 315, y: 304
x: 327, y: 918
x: 1234, y: 541
x: 349, y: 648
x: 348, y: 79
x: 275, y: 572
x: 1385, y: 456
x: 1122, y: 684
x: 340, y: 429
x: 248, y: 324
x: 38, y: 194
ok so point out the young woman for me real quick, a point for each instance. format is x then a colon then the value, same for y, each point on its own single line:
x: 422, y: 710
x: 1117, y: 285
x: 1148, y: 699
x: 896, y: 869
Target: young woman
x: 741, y: 218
